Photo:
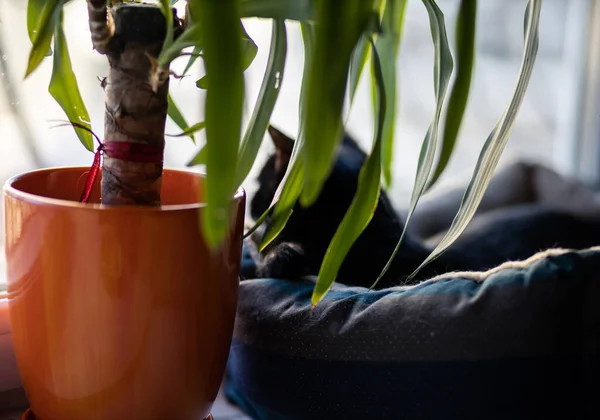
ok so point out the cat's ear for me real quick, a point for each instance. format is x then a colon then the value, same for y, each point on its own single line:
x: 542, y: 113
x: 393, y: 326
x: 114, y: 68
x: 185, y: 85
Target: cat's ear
x: 282, y: 142
x: 283, y: 149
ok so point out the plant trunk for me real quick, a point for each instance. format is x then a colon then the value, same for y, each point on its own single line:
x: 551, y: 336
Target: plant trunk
x: 134, y: 112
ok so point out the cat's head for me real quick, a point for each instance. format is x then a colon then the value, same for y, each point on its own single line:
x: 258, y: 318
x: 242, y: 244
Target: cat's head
x: 340, y: 185
x: 312, y: 227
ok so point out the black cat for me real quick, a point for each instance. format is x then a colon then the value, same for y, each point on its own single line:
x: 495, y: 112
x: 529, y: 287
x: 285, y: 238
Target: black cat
x: 499, y: 236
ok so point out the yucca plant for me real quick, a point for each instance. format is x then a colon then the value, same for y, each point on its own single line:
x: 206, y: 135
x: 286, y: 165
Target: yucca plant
x: 340, y: 38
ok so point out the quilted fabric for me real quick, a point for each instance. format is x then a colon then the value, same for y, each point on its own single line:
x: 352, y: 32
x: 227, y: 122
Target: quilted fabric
x: 518, y: 342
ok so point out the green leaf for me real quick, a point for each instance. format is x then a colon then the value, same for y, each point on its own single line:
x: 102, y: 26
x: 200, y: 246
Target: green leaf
x: 201, y: 83
x: 465, y: 57
x: 42, y: 18
x: 357, y: 64
x: 340, y: 26
x: 190, y: 37
x: 442, y: 66
x: 199, y: 159
x: 290, y: 187
x: 494, y: 145
x: 300, y: 10
x: 285, y: 205
x: 256, y: 225
x: 364, y: 203
x: 190, y: 130
x: 193, y: 57
x: 178, y: 118
x: 249, y: 51
x: 35, y: 10
x: 64, y: 89
x: 267, y: 97
x: 362, y: 52
x: 219, y: 23
x: 191, y: 12
x: 388, y: 47
x: 167, y: 11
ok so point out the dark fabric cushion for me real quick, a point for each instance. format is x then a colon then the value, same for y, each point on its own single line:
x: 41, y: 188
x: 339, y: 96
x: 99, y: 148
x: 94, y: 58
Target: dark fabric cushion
x: 516, y: 183
x: 518, y: 342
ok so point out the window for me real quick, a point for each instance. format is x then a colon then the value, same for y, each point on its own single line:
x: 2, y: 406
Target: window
x: 543, y: 131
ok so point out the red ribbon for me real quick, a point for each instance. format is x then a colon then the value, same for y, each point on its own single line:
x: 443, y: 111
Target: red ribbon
x: 131, y: 152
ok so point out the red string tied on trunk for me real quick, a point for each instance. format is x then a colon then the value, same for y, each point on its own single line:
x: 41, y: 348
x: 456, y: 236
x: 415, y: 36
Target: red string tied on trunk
x: 131, y: 152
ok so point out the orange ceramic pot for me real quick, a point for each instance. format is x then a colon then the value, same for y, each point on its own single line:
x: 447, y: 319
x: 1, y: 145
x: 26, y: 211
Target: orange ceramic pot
x: 118, y: 312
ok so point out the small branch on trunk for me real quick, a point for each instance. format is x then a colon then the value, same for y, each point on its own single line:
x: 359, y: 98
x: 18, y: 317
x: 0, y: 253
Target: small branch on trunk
x: 101, y: 25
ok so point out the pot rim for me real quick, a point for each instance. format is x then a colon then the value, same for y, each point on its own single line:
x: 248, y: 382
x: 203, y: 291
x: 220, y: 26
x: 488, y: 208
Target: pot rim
x: 11, y: 191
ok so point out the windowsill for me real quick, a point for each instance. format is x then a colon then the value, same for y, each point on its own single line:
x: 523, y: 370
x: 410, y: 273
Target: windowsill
x: 9, y: 374
x: 13, y: 403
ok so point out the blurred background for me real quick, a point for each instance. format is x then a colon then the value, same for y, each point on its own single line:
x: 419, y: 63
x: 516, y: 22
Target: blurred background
x: 557, y: 124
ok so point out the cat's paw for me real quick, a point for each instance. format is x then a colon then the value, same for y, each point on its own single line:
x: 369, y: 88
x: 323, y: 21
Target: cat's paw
x: 284, y: 261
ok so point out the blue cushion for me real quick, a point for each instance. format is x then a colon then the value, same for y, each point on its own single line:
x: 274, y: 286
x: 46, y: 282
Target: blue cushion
x: 518, y: 342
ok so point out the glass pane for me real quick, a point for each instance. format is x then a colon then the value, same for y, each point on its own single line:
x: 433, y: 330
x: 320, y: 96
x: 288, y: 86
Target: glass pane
x: 499, y: 44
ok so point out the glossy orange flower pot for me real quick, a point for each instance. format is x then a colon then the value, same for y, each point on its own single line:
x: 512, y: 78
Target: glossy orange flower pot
x: 118, y: 312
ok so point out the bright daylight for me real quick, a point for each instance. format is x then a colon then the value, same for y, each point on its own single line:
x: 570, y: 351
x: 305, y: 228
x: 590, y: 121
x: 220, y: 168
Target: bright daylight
x: 299, y: 209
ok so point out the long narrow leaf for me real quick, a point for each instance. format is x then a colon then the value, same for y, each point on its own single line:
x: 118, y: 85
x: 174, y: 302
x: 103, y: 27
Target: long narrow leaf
x: 249, y: 48
x: 42, y: 20
x: 64, y: 89
x: 265, y: 103
x: 340, y: 25
x: 262, y: 112
x: 299, y: 10
x: 193, y: 57
x: 199, y: 159
x: 443, y: 65
x: 494, y: 145
x: 175, y: 114
x: 465, y: 57
x: 190, y: 37
x: 360, y: 56
x: 364, y: 203
x: 165, y: 7
x: 388, y: 47
x: 190, y: 130
x: 290, y: 187
x: 249, y: 51
x: 357, y: 64
x: 35, y: 10
x: 256, y: 225
x: 219, y: 23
